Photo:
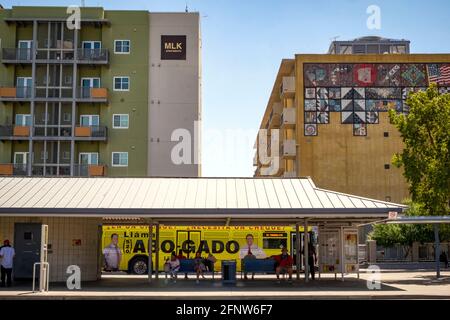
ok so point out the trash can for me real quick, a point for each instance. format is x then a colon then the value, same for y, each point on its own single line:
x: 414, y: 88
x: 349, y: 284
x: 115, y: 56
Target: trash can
x: 229, y: 271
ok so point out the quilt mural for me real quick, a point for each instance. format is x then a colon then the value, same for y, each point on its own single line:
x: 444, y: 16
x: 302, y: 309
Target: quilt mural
x: 359, y: 92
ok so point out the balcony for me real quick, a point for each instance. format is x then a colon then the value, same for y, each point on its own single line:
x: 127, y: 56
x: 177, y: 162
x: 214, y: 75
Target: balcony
x: 288, y: 149
x: 287, y: 88
x: 55, y: 55
x: 91, y: 133
x: 275, y: 116
x: 12, y: 169
x: 288, y: 118
x: 89, y: 170
x: 11, y: 132
x: 53, y: 94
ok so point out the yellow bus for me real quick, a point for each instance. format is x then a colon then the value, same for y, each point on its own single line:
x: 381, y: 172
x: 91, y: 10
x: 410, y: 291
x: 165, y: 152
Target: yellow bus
x: 223, y: 242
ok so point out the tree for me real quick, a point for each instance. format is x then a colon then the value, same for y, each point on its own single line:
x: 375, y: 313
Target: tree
x: 425, y: 131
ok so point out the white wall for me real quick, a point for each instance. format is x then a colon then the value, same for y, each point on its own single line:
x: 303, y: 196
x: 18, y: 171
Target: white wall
x: 61, y: 232
x: 174, y: 92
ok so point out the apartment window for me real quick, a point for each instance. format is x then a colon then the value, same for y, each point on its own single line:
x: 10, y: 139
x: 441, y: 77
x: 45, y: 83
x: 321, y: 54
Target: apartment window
x: 121, y: 83
x: 122, y: 46
x: 92, y: 45
x: 120, y: 159
x: 67, y: 117
x: 87, y: 120
x: 120, y: 121
x: 23, y: 120
x: 68, y: 80
x: 66, y: 155
x: 42, y: 155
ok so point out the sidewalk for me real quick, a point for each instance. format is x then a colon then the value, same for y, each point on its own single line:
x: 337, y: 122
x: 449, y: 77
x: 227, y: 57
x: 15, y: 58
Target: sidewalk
x: 395, y: 285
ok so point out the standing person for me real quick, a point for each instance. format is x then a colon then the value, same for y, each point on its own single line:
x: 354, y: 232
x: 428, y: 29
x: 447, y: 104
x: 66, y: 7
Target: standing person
x: 112, y: 254
x: 312, y: 259
x: 7, y: 254
x: 199, y: 266
x: 250, y: 251
x: 284, y: 264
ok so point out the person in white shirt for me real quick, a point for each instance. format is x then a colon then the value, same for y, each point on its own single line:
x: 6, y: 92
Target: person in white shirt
x: 7, y: 254
x: 251, y: 251
x: 112, y: 254
x: 174, y: 266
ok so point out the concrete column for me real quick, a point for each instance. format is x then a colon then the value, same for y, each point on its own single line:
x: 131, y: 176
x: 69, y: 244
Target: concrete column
x: 150, y: 251
x: 415, y: 252
x: 157, y: 250
x: 371, y: 251
x: 298, y: 249
x: 305, y: 250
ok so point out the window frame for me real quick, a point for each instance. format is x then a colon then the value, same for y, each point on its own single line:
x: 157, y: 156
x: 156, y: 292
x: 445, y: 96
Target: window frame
x: 121, y: 114
x: 121, y: 77
x: 119, y: 165
x: 122, y: 52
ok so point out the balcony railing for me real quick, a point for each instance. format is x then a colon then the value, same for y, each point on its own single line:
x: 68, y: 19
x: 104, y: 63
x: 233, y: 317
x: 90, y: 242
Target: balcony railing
x: 287, y: 87
x: 83, y: 94
x: 91, y: 132
x: 89, y: 170
x: 289, y: 149
x: 13, y: 169
x: 12, y: 132
x: 43, y: 55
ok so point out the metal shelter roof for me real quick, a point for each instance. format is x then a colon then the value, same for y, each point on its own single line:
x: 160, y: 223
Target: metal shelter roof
x: 185, y: 199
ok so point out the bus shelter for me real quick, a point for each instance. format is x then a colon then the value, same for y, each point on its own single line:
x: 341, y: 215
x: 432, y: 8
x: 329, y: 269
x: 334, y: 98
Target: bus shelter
x: 185, y: 201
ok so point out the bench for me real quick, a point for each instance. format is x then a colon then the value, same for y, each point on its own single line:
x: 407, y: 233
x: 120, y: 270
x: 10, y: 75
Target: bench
x: 187, y: 267
x: 266, y: 266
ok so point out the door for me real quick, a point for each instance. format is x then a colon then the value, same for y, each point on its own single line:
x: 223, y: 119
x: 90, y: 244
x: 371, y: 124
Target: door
x: 91, y: 49
x: 23, y: 120
x: 24, y: 52
x: 188, y: 241
x: 86, y: 159
x: 23, y: 87
x: 89, y: 120
x: 27, y: 244
x: 87, y: 84
x: 20, y: 163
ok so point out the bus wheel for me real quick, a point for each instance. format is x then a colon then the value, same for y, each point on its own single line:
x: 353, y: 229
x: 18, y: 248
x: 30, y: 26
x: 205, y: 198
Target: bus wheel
x: 139, y: 266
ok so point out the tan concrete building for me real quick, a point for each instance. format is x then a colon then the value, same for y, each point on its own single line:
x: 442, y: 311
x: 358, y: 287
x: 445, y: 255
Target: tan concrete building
x: 331, y: 111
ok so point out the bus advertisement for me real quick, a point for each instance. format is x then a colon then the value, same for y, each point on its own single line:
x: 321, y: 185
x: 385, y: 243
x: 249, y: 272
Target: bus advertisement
x: 223, y: 242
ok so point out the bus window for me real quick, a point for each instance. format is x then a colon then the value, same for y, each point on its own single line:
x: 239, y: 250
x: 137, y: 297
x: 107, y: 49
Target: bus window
x: 274, y: 243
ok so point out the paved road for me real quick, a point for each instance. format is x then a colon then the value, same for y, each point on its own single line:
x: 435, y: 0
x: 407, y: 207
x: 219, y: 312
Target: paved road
x: 400, y: 284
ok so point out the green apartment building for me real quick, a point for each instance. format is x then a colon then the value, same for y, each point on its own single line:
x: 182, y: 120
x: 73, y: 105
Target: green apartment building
x: 98, y: 99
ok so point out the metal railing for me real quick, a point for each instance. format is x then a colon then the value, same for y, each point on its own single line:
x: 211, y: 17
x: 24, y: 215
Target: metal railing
x: 6, y: 131
x: 43, y: 283
x: 43, y: 54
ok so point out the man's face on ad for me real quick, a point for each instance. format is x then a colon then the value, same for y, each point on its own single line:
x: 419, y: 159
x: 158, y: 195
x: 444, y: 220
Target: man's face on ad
x: 250, y: 240
x: 115, y: 239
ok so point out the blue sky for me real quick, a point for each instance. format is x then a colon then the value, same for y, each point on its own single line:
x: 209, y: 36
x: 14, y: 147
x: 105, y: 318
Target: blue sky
x: 245, y: 40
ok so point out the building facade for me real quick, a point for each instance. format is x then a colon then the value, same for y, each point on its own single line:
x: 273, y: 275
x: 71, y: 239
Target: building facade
x: 98, y: 100
x: 331, y: 111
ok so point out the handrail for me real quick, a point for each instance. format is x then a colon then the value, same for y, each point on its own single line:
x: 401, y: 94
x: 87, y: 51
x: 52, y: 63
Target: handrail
x: 47, y: 276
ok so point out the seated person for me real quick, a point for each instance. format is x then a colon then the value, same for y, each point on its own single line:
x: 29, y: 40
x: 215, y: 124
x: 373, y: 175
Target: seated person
x: 209, y: 262
x: 199, y: 266
x: 180, y: 256
x: 173, y: 266
x: 284, y: 264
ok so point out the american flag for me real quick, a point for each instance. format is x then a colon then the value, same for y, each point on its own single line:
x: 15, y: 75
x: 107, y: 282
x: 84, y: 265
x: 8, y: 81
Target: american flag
x: 439, y: 74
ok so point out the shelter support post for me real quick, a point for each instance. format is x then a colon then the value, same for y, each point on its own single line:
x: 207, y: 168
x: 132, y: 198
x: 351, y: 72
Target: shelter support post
x: 437, y: 248
x: 298, y: 249
x: 157, y: 251
x: 305, y: 250
x: 150, y: 251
